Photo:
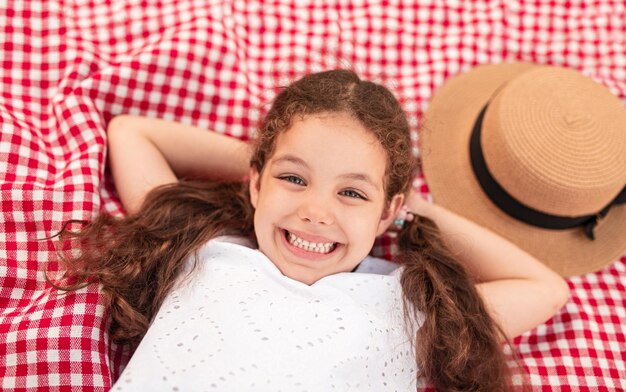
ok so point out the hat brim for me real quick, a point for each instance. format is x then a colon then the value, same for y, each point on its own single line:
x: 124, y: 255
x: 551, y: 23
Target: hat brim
x: 444, y: 150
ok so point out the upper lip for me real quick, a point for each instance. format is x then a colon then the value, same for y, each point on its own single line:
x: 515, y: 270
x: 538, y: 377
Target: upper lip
x: 310, y: 237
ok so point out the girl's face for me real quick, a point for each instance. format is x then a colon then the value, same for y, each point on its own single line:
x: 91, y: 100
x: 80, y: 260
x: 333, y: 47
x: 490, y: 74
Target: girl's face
x: 320, y: 200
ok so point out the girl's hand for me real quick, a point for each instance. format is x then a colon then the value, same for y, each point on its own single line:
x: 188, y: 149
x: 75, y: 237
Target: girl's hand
x: 416, y: 203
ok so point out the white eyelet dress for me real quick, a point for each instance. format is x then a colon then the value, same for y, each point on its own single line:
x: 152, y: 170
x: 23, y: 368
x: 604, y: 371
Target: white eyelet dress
x: 237, y: 324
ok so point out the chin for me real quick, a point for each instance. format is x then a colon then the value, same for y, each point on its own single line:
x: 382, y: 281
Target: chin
x: 305, y: 277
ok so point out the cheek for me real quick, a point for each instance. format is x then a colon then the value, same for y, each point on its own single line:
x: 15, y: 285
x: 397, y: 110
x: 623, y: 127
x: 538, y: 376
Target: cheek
x: 362, y: 225
x: 272, y: 204
x: 270, y: 198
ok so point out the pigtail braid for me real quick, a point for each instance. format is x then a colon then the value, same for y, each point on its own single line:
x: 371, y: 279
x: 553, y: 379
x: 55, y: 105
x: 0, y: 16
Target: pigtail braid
x: 458, y: 345
x: 137, y: 258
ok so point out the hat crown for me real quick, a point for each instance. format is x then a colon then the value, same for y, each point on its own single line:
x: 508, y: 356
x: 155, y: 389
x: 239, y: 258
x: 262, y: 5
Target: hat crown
x: 578, y: 121
x: 556, y: 141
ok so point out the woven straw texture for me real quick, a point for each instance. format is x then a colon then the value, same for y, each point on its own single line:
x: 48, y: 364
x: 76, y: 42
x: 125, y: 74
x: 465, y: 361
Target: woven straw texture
x: 557, y: 163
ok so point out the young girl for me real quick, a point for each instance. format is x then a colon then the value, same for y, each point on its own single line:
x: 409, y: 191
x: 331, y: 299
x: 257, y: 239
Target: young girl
x: 262, y: 285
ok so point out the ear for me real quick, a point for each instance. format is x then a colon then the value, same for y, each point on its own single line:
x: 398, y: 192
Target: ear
x: 390, y: 213
x: 255, y: 184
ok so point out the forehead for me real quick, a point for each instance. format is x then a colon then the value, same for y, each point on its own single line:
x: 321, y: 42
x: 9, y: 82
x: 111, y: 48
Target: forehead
x: 333, y: 141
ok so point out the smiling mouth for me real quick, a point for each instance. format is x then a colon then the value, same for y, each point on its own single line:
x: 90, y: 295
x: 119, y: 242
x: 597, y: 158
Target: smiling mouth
x: 314, y: 247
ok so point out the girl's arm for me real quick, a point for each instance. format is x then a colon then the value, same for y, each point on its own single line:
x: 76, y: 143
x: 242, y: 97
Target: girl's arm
x: 145, y: 153
x: 519, y: 291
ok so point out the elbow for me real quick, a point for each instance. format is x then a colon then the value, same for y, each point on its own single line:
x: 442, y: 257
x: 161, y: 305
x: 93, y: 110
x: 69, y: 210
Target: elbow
x: 116, y: 123
x: 559, y: 293
x: 121, y: 127
x: 113, y: 128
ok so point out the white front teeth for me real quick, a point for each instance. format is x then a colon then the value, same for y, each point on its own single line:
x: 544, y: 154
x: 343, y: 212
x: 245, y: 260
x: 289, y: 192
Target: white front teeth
x: 310, y: 246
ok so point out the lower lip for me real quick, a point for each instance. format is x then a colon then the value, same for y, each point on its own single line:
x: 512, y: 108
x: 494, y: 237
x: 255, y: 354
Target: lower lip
x: 305, y: 254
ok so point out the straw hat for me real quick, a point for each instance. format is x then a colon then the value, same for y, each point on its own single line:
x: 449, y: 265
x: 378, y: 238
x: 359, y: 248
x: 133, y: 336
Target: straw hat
x: 549, y: 148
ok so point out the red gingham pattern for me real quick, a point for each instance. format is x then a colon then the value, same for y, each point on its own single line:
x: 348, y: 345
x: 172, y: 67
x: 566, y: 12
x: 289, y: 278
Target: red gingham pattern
x: 69, y: 66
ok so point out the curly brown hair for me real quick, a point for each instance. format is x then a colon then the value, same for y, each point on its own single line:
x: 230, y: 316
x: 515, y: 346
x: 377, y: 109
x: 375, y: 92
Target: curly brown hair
x: 137, y: 258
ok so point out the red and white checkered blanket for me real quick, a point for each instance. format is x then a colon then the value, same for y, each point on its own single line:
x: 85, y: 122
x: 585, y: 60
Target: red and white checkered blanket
x: 68, y: 66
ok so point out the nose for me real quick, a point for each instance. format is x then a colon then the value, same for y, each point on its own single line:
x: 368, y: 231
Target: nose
x: 315, y: 209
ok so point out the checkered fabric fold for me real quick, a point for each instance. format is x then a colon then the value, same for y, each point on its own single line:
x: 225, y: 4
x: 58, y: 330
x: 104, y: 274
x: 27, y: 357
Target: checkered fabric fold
x: 69, y: 66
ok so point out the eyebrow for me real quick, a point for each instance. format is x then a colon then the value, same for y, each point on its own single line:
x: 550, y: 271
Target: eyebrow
x: 292, y: 159
x: 360, y: 177
x: 350, y: 176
